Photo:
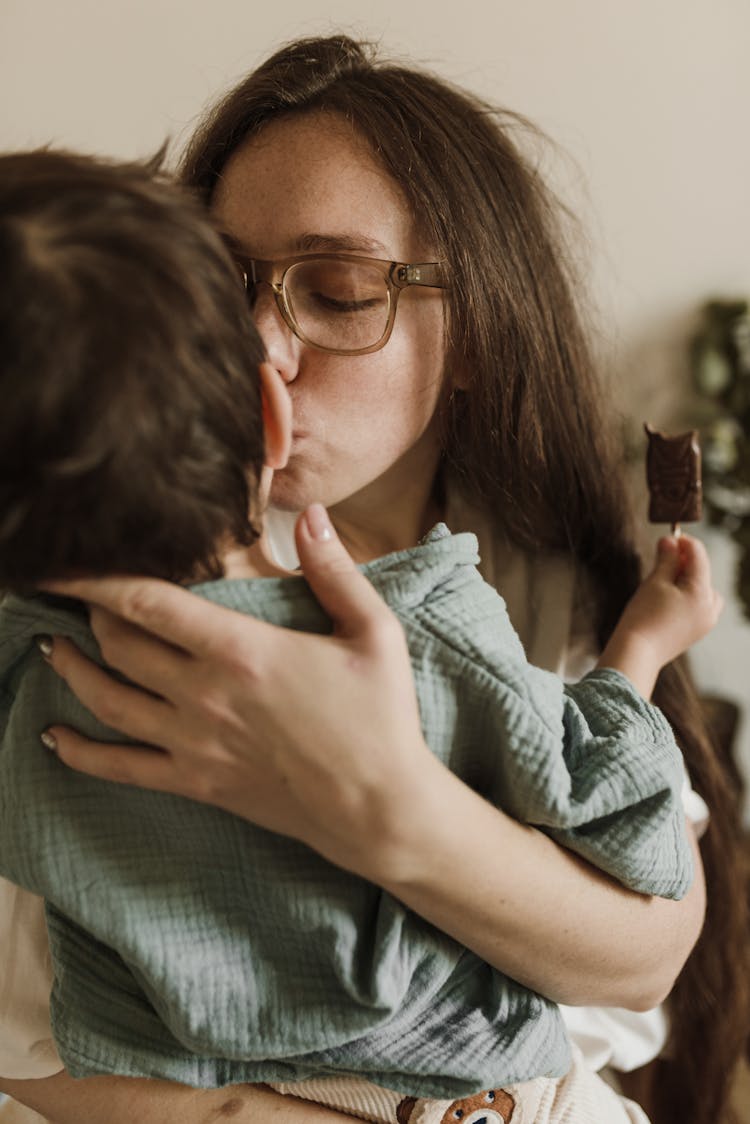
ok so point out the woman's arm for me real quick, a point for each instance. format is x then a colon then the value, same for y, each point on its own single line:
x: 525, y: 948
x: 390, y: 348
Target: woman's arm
x: 538, y: 912
x: 319, y: 738
x: 123, y: 1100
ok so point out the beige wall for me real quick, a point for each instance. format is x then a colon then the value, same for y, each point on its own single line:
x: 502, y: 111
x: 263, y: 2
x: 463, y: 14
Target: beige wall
x: 650, y: 99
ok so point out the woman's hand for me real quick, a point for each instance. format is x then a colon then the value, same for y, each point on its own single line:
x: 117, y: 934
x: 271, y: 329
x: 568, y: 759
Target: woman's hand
x: 287, y: 729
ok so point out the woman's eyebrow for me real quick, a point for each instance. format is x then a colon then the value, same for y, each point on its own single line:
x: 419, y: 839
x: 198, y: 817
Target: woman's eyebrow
x: 318, y: 243
x: 344, y: 242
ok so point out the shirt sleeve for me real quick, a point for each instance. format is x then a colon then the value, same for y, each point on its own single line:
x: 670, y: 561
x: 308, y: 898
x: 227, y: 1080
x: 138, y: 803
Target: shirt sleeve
x: 597, y: 768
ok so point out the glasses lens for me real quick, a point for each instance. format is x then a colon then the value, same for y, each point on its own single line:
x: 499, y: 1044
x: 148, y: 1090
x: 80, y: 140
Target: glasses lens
x: 342, y: 305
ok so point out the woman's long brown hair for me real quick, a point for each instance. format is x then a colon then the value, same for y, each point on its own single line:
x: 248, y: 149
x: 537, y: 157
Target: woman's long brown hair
x: 527, y: 437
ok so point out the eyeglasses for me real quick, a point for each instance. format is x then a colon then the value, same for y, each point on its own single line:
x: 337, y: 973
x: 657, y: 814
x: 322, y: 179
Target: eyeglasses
x: 339, y: 303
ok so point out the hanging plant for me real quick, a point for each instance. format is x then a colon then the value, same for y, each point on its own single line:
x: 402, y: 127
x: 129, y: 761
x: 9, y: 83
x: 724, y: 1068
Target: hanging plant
x: 721, y: 369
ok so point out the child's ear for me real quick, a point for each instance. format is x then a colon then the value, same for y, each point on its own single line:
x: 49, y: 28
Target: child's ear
x: 277, y: 416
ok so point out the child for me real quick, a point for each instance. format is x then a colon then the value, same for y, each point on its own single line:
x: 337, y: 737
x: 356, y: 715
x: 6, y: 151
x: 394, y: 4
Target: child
x: 189, y: 944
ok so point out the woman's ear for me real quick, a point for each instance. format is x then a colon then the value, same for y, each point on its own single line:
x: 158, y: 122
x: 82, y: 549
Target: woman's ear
x: 277, y: 416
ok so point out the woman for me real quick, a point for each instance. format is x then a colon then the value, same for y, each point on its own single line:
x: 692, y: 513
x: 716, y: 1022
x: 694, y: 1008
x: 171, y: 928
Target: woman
x: 481, y: 406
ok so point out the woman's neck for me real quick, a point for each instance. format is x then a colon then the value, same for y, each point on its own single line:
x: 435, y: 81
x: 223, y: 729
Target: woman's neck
x: 373, y: 525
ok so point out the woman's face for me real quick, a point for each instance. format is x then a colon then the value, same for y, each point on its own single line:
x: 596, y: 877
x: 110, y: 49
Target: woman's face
x: 364, y: 426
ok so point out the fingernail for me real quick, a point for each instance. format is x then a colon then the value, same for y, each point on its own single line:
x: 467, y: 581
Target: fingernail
x: 49, y: 741
x: 318, y: 523
x: 45, y: 645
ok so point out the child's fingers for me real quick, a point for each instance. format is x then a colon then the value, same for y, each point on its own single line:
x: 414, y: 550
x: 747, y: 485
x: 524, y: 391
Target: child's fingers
x: 695, y: 567
x: 667, y: 564
x: 695, y: 578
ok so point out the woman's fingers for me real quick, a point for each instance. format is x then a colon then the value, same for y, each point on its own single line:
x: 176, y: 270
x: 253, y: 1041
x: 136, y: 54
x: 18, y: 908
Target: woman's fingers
x: 168, y: 611
x: 343, y: 591
x: 319, y: 770
x: 123, y: 764
x: 130, y: 710
x: 146, y: 659
x: 146, y: 627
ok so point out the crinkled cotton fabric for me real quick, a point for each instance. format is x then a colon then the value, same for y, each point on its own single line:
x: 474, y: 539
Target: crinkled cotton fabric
x: 183, y: 936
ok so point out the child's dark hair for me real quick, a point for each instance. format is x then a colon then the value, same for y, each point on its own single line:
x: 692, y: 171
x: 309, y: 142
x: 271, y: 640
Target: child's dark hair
x: 131, y: 434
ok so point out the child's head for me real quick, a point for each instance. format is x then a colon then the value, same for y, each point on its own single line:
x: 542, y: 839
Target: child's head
x: 131, y: 422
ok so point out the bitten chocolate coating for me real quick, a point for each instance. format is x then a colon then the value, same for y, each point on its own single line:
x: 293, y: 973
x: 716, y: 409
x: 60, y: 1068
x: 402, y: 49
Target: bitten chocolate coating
x: 673, y: 471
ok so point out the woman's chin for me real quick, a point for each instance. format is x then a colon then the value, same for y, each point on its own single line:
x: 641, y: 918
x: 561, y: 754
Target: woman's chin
x: 290, y: 494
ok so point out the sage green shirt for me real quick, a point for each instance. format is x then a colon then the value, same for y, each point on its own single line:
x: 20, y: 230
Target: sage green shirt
x: 191, y: 945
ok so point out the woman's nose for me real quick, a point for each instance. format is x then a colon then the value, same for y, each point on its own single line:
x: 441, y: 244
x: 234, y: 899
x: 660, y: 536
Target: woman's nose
x: 282, y: 346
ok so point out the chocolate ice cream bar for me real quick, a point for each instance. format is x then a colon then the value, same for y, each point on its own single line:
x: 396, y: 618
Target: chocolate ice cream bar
x: 673, y: 471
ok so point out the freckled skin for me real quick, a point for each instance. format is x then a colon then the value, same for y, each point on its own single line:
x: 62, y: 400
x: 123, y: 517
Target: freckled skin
x: 366, y: 441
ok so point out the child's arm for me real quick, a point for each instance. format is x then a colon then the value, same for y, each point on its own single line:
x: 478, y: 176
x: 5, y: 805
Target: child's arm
x: 598, y: 768
x: 675, y: 606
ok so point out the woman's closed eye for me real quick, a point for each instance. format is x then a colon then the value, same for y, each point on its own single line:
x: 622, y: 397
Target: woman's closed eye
x: 329, y: 303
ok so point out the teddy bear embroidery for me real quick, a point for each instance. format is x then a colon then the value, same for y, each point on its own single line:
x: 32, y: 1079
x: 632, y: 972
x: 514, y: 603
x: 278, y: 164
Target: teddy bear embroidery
x: 493, y: 1106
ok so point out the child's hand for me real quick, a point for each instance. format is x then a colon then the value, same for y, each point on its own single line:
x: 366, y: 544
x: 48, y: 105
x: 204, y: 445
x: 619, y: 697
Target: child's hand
x: 675, y: 606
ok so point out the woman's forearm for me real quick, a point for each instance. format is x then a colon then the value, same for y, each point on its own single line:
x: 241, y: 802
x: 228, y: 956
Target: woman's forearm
x: 123, y: 1100
x: 534, y: 910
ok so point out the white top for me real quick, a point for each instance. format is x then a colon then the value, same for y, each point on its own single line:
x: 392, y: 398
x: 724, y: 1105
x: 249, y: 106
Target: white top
x: 550, y: 616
